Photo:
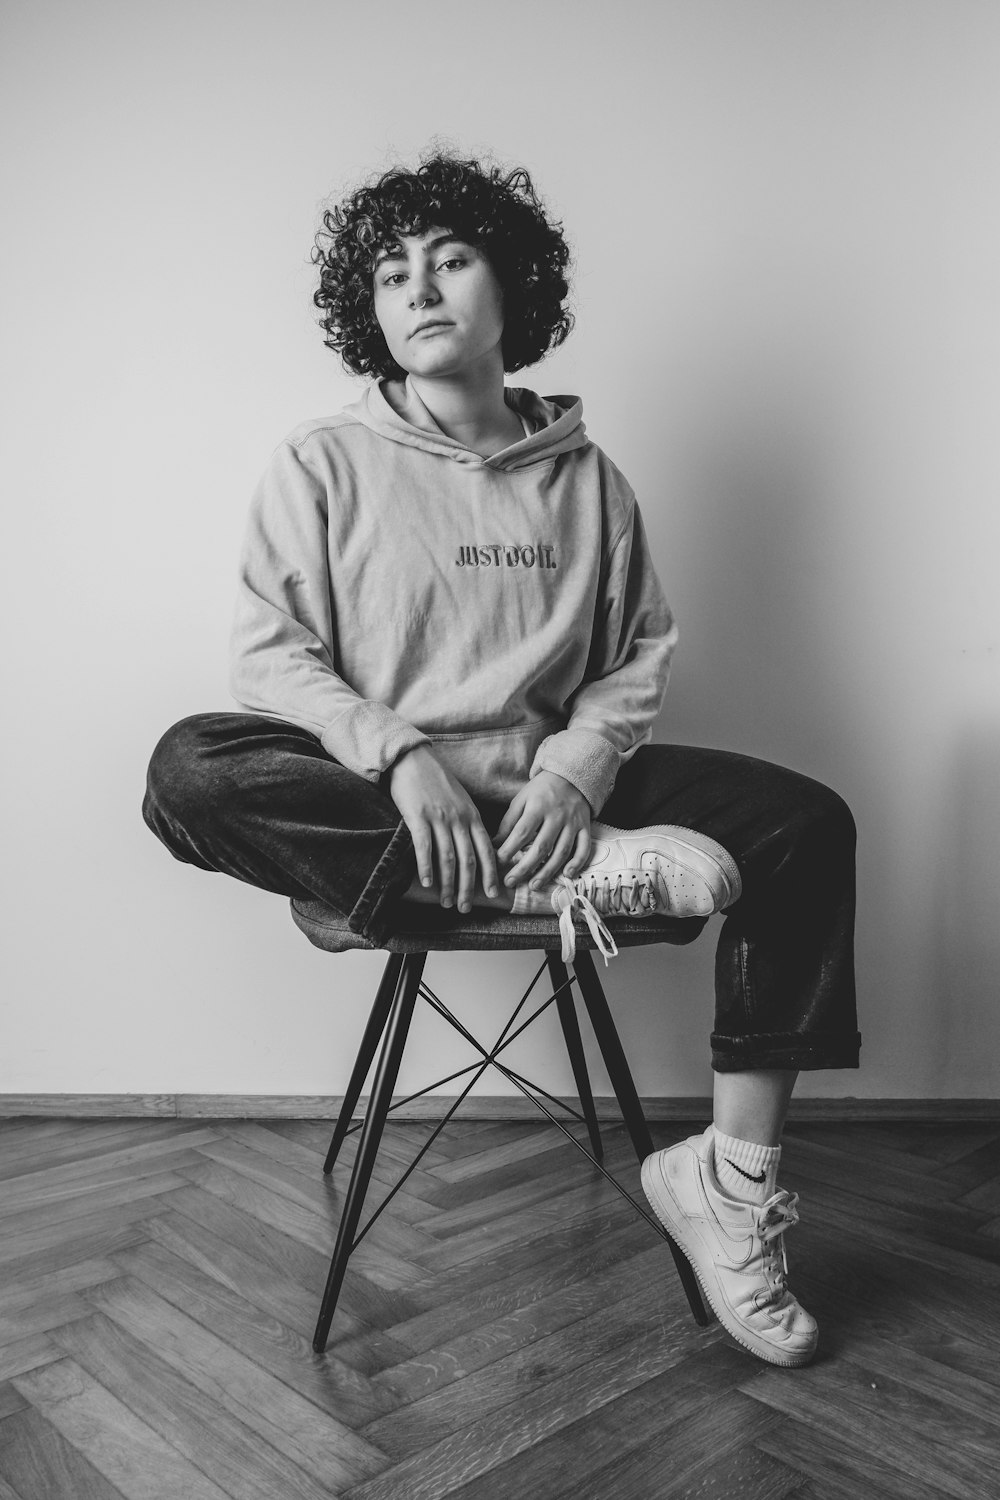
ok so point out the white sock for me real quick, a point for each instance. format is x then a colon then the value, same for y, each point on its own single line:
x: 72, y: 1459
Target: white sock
x: 529, y: 903
x: 746, y: 1170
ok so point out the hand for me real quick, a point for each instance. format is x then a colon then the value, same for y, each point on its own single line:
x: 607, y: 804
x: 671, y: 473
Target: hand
x: 444, y: 823
x: 548, y: 825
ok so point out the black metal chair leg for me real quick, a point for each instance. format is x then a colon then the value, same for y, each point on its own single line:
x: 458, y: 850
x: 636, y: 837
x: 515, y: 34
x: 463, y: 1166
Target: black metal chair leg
x: 622, y: 1082
x: 369, y: 1042
x: 613, y: 1053
x: 371, y: 1134
x: 574, y: 1046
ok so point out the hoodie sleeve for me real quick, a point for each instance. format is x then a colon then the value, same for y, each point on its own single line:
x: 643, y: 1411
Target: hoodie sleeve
x: 611, y: 714
x: 283, y: 644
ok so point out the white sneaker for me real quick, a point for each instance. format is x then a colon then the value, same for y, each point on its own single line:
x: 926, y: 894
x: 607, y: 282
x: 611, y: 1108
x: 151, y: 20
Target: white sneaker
x: 662, y: 871
x: 675, y: 872
x: 737, y: 1250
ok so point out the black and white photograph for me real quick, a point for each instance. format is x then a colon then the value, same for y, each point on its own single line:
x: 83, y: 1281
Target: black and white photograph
x: 500, y: 988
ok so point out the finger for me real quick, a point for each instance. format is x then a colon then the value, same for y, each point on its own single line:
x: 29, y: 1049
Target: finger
x: 445, y: 851
x: 487, y: 858
x: 423, y: 849
x: 517, y: 840
x: 466, y: 866
x: 581, y: 854
x: 509, y: 819
x: 556, y: 862
x: 539, y: 851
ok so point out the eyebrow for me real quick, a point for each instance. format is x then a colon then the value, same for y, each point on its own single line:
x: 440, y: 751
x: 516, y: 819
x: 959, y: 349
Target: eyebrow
x: 393, y: 252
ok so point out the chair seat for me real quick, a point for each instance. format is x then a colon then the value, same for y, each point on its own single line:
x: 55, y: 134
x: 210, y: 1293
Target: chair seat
x: 430, y: 929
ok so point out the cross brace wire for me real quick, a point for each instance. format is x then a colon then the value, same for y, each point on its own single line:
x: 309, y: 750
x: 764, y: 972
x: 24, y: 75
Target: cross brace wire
x: 530, y: 1090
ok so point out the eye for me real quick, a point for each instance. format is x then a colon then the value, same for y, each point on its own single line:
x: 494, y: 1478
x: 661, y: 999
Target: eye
x: 451, y: 262
x: 394, y: 278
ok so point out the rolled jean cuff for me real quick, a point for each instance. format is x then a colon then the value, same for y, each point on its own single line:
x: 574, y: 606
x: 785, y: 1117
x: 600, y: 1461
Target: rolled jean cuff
x: 372, y: 915
x: 745, y: 1054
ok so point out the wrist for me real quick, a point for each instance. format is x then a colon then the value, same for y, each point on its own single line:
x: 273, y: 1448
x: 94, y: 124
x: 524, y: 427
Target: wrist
x: 563, y: 786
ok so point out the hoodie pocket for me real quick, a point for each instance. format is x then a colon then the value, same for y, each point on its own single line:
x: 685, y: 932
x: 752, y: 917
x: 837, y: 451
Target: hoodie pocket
x: 493, y: 764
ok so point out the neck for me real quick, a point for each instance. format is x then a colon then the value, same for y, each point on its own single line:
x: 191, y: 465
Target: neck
x: 470, y: 406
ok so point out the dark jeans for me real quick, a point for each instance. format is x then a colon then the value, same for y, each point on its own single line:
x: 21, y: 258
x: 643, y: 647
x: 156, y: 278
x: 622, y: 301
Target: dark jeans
x: 261, y: 800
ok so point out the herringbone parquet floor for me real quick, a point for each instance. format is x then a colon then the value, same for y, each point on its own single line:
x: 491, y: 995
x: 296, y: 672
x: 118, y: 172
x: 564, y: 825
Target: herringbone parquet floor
x: 508, y: 1328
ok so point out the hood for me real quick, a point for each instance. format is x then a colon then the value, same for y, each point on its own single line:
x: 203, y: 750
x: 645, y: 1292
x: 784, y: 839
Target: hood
x: 395, y: 411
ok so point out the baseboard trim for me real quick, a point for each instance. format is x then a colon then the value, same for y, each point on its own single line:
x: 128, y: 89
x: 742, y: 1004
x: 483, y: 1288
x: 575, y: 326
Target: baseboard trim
x: 478, y: 1107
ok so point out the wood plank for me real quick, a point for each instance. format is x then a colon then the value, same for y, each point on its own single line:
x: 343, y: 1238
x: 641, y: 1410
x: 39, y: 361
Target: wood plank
x: 315, y: 1194
x: 251, y: 1337
x: 679, y: 1459
x: 482, y: 1345
x: 309, y: 1160
x: 56, y: 1183
x: 984, y: 1199
x: 472, y: 1163
x: 130, y: 1455
x: 41, y: 1315
x: 237, y: 1270
x: 26, y: 1354
x: 503, y: 1432
x: 317, y: 1440
x: 24, y: 1290
x: 568, y: 1461
x: 105, y: 1234
x: 517, y: 1185
x: 227, y: 1450
x: 888, y: 1279
x: 471, y: 1310
x: 11, y: 1401
x: 888, y: 1180
x: 39, y: 1464
x: 263, y: 1203
x: 27, y: 1144
x: 36, y: 1229
x: 362, y: 1302
x: 843, y: 1467
x: 580, y: 1347
x: 916, y: 1437
x: 591, y: 1198
x: 88, y: 1106
x: 932, y: 1239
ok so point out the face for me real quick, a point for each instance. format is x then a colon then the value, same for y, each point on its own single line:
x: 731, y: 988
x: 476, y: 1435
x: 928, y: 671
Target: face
x: 439, y: 305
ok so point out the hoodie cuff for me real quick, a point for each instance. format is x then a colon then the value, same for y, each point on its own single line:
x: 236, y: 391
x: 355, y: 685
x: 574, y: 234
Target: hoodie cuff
x: 368, y: 738
x: 585, y: 759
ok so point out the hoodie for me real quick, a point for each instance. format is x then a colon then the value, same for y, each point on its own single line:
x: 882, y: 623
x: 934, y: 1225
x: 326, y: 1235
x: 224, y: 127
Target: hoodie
x: 398, y: 589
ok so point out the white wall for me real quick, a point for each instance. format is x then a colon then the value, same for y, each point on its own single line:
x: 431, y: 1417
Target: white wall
x: 788, y: 294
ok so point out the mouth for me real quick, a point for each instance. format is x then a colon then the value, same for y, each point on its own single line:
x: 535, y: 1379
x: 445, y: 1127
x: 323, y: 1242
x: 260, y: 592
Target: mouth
x: 431, y: 326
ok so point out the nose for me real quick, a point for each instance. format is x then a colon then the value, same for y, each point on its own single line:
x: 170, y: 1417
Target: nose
x: 422, y: 289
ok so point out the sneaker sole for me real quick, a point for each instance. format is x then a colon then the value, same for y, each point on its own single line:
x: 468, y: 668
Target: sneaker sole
x: 677, y: 1225
x: 695, y: 843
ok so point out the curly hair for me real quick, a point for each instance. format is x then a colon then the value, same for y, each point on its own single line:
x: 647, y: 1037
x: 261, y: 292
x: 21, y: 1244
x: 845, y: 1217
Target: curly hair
x: 497, y: 211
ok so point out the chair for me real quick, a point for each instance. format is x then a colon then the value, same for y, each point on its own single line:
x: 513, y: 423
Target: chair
x: 431, y: 929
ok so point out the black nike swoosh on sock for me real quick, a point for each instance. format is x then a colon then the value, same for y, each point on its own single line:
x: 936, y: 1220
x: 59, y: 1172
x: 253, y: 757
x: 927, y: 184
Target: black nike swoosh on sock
x: 748, y: 1175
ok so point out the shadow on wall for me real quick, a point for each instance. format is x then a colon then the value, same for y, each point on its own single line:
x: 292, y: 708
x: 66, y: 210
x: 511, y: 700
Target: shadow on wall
x: 751, y: 551
x: 963, y: 930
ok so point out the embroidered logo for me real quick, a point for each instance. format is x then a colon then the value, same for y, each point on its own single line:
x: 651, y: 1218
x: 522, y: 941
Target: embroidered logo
x: 748, y: 1175
x: 506, y: 555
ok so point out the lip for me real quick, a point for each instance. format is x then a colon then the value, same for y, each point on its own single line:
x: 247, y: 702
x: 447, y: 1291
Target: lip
x: 433, y: 323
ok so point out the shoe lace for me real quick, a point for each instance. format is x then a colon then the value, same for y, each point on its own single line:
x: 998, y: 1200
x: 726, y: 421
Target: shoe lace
x: 623, y: 897
x: 776, y: 1215
x: 574, y: 897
